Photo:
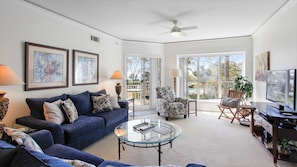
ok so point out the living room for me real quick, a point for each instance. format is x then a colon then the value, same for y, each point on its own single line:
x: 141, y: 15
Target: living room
x: 23, y: 22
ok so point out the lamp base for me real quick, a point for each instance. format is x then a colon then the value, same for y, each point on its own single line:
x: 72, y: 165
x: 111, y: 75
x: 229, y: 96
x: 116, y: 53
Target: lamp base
x: 118, y: 89
x: 3, y: 107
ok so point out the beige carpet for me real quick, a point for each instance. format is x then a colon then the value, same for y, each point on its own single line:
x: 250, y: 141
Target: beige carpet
x: 205, y: 140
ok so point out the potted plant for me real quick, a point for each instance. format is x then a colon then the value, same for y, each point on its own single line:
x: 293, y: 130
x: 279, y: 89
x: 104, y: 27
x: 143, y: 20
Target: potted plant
x: 243, y: 84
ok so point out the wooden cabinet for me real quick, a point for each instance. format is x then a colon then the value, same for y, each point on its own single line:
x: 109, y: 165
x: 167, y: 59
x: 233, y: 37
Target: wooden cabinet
x: 265, y: 123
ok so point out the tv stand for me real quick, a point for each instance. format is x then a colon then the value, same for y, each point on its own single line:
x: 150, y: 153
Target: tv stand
x: 270, y: 119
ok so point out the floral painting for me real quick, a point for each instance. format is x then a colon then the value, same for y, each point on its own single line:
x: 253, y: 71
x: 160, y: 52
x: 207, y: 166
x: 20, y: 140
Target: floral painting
x: 85, y: 68
x: 261, y: 66
x: 46, y: 67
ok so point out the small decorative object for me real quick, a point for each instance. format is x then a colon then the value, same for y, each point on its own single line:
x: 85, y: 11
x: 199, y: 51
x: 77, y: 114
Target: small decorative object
x: 46, y: 67
x: 262, y: 65
x: 117, y: 75
x: 85, y: 68
x: 242, y: 84
x: 7, y: 77
x: 174, y: 73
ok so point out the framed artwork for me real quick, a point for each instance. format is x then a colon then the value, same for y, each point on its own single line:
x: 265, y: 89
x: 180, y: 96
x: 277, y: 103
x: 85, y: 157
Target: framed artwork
x: 262, y: 66
x: 85, y: 68
x: 46, y: 67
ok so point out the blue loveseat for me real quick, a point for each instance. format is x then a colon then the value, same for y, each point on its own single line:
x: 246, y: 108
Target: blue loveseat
x: 11, y: 155
x: 87, y: 129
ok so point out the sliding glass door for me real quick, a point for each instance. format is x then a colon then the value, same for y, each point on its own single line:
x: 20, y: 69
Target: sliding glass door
x: 143, y: 75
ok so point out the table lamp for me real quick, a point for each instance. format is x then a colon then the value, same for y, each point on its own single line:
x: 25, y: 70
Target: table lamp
x: 7, y: 77
x: 174, y: 73
x: 117, y: 75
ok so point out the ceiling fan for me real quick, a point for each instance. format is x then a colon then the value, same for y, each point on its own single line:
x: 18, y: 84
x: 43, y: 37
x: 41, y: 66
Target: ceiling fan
x: 178, y: 31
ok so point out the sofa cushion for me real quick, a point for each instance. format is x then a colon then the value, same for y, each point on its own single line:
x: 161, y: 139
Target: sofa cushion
x: 36, y: 104
x: 99, y: 93
x: 22, y: 138
x: 77, y: 163
x: 82, y: 102
x: 83, y: 125
x: 101, y: 103
x: 4, y: 144
x: 70, y: 110
x: 112, y: 116
x: 52, y: 112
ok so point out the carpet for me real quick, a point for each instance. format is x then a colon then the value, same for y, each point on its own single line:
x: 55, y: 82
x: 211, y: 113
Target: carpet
x: 142, y: 113
x: 205, y: 140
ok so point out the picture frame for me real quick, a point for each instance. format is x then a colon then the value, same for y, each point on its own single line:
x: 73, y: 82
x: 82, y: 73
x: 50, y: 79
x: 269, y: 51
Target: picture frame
x: 46, y: 67
x: 85, y: 68
x: 262, y: 66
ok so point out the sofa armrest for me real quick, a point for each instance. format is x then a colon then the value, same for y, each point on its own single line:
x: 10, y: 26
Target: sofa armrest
x: 66, y: 152
x: 56, y: 129
x: 124, y: 104
x: 43, y: 138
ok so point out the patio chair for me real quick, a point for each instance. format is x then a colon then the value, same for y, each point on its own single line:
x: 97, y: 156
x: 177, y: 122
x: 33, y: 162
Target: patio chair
x: 168, y: 105
x: 230, y: 104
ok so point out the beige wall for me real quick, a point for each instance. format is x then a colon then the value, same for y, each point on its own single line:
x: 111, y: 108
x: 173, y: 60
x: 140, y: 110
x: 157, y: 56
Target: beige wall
x: 279, y: 37
x: 21, y: 22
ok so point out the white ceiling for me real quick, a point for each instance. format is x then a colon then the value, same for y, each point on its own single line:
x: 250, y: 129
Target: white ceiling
x: 146, y: 20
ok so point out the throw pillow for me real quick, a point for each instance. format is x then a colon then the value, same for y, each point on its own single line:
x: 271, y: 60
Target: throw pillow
x: 114, y: 102
x: 70, y: 110
x: 101, y: 103
x: 52, y: 112
x: 77, y: 163
x: 230, y: 102
x: 22, y: 139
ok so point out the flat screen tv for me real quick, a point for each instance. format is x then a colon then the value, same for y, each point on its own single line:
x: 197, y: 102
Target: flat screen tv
x: 291, y: 103
x: 281, y: 88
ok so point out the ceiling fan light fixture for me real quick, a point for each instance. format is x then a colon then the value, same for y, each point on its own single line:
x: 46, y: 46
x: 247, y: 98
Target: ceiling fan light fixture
x: 176, y: 33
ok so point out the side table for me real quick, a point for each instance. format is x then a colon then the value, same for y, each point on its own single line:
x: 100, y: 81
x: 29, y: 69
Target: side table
x: 243, y: 111
x: 131, y: 99
x: 192, y: 101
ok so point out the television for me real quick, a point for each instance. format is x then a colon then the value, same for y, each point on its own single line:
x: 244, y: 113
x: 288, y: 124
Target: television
x: 281, y: 88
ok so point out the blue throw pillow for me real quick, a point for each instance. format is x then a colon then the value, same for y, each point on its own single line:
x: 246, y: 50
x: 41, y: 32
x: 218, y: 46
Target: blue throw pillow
x: 99, y: 93
x: 36, y: 104
x: 82, y: 102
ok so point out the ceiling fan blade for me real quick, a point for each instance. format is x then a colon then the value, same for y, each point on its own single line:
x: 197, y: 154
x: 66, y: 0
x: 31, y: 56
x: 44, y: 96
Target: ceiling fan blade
x: 163, y: 33
x: 183, y: 33
x: 189, y: 28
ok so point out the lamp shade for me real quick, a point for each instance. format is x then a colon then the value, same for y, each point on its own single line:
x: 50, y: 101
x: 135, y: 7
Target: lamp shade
x: 117, y: 75
x: 174, y: 73
x: 8, y: 77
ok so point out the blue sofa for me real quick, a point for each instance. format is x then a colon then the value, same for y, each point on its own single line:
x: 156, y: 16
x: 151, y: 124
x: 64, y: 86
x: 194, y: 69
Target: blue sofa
x: 11, y: 155
x: 87, y: 129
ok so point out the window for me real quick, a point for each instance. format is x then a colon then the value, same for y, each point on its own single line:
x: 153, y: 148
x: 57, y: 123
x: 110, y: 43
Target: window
x: 210, y: 76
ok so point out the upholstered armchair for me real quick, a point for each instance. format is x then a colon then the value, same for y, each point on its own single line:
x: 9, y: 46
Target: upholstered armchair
x: 168, y: 105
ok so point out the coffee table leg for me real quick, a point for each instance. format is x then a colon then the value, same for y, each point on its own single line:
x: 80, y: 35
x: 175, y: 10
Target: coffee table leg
x: 119, y: 148
x: 159, y: 150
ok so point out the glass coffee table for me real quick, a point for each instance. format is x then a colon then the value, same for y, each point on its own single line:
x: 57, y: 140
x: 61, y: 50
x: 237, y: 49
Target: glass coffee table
x: 147, y: 133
